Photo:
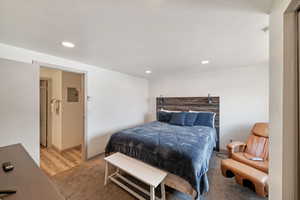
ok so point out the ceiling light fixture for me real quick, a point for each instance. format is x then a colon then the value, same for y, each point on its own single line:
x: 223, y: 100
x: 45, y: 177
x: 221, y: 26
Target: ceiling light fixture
x: 204, y: 62
x: 148, y: 71
x: 68, y: 44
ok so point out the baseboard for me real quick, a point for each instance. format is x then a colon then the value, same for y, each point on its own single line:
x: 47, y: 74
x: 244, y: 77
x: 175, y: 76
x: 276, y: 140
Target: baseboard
x: 69, y: 148
x: 96, y: 156
x: 56, y: 148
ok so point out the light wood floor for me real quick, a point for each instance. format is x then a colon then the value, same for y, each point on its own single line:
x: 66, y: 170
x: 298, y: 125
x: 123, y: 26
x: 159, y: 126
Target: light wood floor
x: 54, y: 162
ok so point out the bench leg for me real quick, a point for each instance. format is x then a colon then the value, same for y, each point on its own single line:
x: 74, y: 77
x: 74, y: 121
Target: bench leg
x: 163, y: 192
x: 152, y: 193
x: 106, y: 173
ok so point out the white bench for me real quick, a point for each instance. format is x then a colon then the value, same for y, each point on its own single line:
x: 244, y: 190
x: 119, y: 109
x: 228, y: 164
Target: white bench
x: 138, y: 169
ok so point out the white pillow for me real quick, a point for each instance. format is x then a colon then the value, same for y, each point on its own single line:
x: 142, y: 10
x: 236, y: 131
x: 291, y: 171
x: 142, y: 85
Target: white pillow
x: 194, y: 111
x: 174, y: 111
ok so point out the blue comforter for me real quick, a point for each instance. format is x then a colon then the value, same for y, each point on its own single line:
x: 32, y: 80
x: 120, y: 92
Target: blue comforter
x: 182, y: 150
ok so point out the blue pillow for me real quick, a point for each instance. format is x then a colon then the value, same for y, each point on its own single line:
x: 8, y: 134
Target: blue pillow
x: 178, y: 118
x: 205, y: 119
x: 190, y: 118
x: 164, y: 116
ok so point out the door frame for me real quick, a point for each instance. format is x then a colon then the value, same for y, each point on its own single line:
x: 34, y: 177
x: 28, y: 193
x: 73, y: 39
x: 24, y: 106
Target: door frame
x: 291, y: 108
x: 48, y: 119
x: 84, y: 154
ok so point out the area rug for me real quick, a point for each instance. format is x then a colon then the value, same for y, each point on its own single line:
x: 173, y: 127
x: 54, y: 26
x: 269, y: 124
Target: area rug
x: 85, y: 182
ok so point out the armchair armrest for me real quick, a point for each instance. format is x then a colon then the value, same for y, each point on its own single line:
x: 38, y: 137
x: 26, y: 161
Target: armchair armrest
x: 235, y: 147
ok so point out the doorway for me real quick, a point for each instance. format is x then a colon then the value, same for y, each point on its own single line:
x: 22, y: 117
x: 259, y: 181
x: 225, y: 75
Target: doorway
x: 62, y: 123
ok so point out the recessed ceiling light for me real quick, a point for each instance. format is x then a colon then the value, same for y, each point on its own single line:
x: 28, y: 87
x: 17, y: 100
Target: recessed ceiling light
x: 204, y: 62
x: 68, y: 44
x: 148, y: 71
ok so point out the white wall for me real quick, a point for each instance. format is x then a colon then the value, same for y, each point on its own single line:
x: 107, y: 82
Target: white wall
x: 116, y: 100
x: 277, y: 150
x: 72, y: 112
x: 19, y: 106
x: 243, y: 96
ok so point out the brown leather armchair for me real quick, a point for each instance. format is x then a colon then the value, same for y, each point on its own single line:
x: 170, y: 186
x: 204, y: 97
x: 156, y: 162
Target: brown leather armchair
x: 243, y: 163
x: 256, y: 146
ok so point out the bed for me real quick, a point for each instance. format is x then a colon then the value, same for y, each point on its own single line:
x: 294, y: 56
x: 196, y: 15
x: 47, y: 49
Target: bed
x: 183, y: 151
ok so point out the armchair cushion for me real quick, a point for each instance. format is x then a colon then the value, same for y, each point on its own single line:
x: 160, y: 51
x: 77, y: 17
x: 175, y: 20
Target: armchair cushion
x: 257, y: 146
x: 261, y: 129
x: 245, y: 158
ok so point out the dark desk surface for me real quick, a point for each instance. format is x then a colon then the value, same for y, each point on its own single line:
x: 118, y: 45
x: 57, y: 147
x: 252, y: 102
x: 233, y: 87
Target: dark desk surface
x: 27, y: 178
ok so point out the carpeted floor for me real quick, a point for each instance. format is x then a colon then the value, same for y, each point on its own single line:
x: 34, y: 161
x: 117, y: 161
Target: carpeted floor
x: 85, y: 182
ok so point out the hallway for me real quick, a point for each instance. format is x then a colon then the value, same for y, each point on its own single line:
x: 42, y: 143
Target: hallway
x: 54, y: 162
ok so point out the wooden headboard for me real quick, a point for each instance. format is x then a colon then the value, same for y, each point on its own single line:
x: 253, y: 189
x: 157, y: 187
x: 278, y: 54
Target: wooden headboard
x: 195, y: 104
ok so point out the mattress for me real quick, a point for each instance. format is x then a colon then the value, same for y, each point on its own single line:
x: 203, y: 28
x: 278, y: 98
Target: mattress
x: 182, y: 150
